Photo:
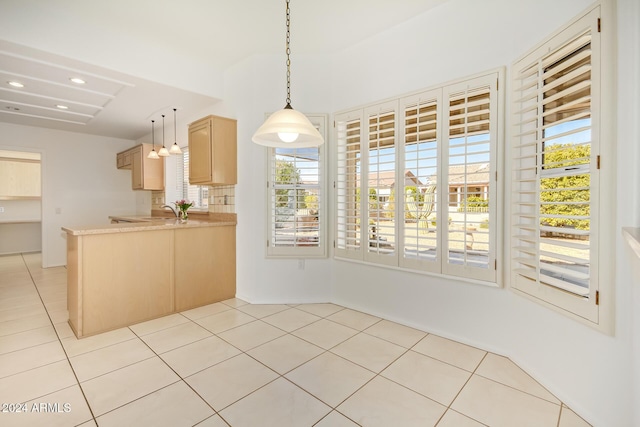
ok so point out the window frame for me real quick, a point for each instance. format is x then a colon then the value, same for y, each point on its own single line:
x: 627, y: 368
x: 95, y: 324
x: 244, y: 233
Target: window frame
x: 183, y: 185
x: 361, y: 253
x: 595, y: 308
x: 319, y: 251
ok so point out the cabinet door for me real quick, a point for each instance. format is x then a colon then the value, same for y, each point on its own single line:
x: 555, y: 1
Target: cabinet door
x: 200, y: 155
x: 205, y: 266
x: 137, y: 171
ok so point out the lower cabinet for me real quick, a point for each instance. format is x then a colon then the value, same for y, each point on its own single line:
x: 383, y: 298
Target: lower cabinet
x: 119, y: 279
x: 205, y: 267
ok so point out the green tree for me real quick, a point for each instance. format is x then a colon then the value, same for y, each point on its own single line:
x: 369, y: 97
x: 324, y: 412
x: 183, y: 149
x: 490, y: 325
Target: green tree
x: 288, y: 176
x: 566, y: 195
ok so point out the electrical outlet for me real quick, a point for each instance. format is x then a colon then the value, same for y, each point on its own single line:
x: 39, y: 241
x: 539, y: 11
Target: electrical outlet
x: 1, y: 209
x: 301, y: 264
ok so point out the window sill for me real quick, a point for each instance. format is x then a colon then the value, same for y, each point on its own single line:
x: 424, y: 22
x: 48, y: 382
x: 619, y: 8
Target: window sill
x: 460, y: 279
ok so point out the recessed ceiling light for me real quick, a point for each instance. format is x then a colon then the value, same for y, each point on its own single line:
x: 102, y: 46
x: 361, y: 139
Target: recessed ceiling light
x: 77, y: 80
x: 62, y: 107
x: 15, y: 84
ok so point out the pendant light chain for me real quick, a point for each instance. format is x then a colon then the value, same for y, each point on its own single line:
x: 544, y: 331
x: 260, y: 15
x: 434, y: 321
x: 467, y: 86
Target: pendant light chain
x: 288, y: 50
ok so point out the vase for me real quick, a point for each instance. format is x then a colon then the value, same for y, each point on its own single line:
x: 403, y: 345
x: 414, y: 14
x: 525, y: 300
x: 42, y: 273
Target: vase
x: 184, y: 216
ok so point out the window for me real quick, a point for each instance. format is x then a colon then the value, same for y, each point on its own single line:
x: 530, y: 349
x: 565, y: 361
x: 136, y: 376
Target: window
x: 556, y: 231
x: 198, y: 194
x: 296, y: 199
x: 416, y: 181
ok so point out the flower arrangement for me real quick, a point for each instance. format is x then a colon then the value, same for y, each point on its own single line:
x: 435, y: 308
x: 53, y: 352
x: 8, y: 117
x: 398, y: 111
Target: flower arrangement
x: 183, y: 206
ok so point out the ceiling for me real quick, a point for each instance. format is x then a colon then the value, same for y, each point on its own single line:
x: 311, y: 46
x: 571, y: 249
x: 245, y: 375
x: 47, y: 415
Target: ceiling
x: 123, y: 49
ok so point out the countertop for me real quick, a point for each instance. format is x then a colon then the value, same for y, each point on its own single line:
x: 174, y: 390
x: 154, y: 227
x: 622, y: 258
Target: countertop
x: 149, y: 223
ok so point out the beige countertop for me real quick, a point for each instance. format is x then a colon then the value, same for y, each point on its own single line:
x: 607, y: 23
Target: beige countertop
x: 133, y: 223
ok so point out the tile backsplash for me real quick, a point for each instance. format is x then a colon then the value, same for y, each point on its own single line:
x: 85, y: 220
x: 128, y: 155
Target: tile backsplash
x: 222, y: 199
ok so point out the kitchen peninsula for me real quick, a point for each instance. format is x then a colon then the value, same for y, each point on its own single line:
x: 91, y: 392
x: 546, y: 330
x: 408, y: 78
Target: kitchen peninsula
x: 147, y: 267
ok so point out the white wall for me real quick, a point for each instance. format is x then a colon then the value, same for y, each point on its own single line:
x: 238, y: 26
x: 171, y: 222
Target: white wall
x: 254, y: 87
x: 79, y: 177
x: 588, y: 370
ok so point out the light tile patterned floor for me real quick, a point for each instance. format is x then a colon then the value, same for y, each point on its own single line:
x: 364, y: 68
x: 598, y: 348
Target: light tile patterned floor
x: 233, y: 363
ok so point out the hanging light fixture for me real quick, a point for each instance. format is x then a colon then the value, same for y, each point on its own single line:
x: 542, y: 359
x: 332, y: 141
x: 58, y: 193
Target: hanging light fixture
x: 175, y: 148
x: 153, y: 154
x: 163, y: 152
x: 288, y: 128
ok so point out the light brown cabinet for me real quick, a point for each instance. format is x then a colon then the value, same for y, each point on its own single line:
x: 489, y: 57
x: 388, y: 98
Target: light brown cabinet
x: 124, y: 277
x: 205, y: 267
x: 146, y: 174
x: 19, y: 178
x: 213, y: 151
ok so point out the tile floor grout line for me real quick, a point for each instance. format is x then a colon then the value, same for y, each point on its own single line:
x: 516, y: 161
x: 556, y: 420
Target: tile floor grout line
x: 60, y: 341
x: 177, y: 374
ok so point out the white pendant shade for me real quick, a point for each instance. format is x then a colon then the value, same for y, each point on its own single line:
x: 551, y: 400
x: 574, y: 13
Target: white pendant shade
x: 175, y: 149
x: 163, y: 152
x: 280, y: 130
x: 153, y: 155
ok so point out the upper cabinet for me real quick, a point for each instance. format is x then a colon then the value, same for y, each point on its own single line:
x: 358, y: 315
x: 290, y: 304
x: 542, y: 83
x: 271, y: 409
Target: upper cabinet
x: 19, y: 178
x: 146, y: 174
x: 213, y: 151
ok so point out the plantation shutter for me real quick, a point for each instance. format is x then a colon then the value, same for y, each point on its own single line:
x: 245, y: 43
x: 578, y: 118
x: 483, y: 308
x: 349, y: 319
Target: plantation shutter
x: 348, y: 185
x: 420, y: 228
x: 380, y: 184
x: 469, y: 170
x: 296, y: 218
x: 555, y: 170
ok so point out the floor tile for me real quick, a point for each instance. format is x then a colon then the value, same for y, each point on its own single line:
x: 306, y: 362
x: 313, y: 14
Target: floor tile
x: 228, y: 381
x: 62, y: 408
x: 63, y: 330
x: 336, y: 419
x: 110, y: 391
x: 370, y: 352
x: 234, y: 302
x: 251, y: 335
x: 213, y: 421
x: 448, y: 351
x: 74, y: 346
x: 37, y: 382
x: 568, y: 418
x: 396, y: 333
x: 31, y: 357
x: 108, y: 359
x: 354, y: 319
x: 176, y: 336
x: 290, y: 320
x: 194, y: 357
x: 330, y: 378
x: 173, y: 406
x: 504, y: 371
x: 285, y: 353
x: 321, y: 310
x: 325, y: 333
x: 26, y: 339
x: 156, y: 325
x: 497, y: 405
x: 24, y: 324
x: 278, y: 404
x: 384, y: 403
x: 430, y: 377
x: 452, y: 418
x: 205, y: 310
x: 221, y: 322
x: 262, y: 310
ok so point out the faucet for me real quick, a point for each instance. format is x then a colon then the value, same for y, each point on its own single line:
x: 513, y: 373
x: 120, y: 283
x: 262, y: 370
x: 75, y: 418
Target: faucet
x: 172, y: 210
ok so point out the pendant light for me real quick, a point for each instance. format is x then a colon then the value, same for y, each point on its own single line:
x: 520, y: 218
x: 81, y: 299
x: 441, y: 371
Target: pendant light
x: 163, y: 151
x: 175, y: 148
x: 153, y: 154
x: 288, y: 128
